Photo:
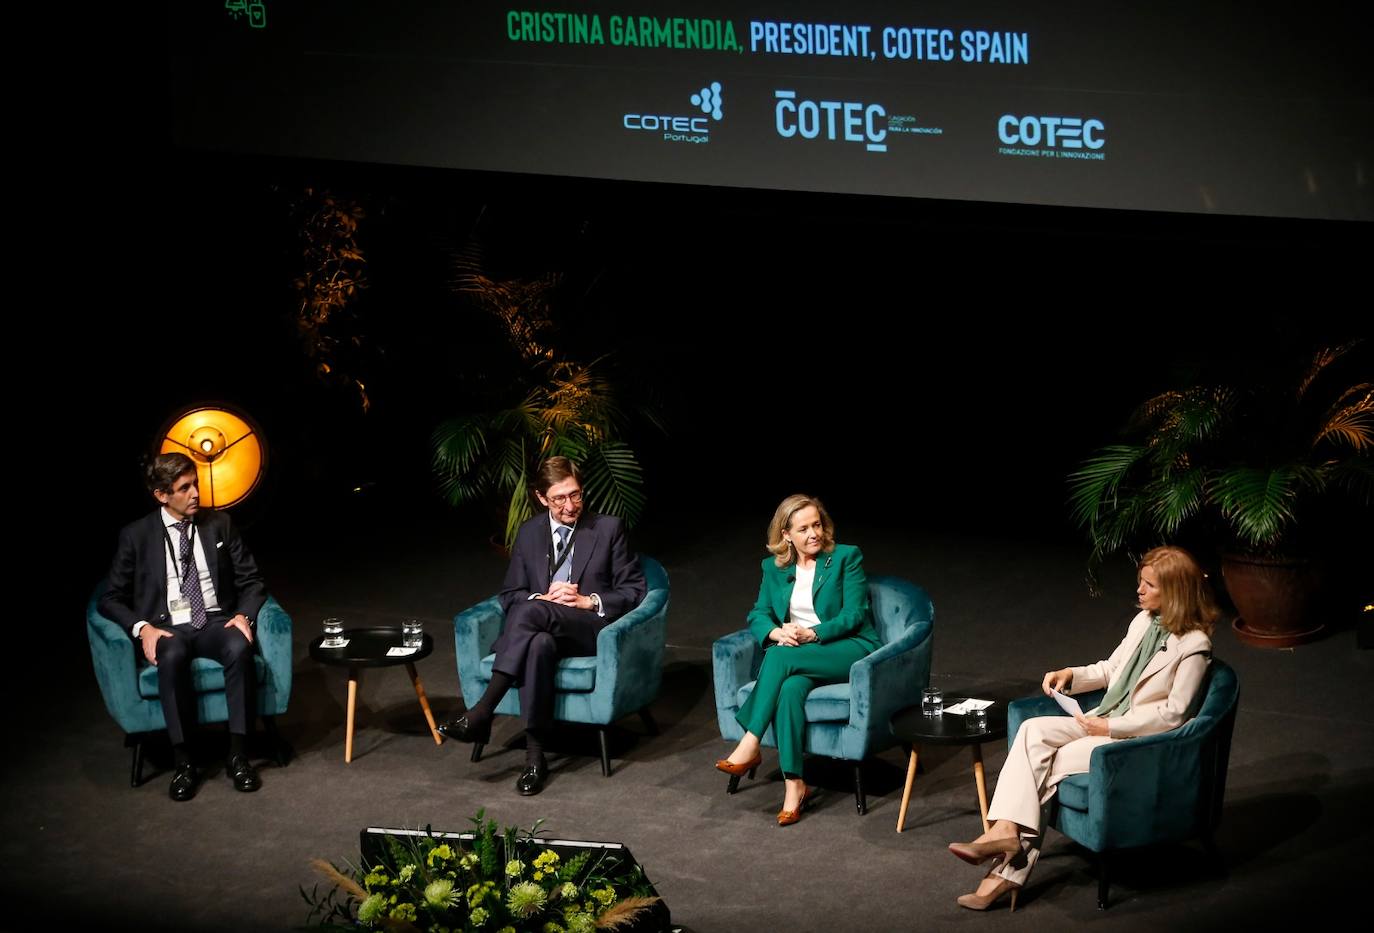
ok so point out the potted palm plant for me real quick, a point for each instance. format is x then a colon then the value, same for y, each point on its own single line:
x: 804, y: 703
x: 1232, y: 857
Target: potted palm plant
x: 1266, y: 473
x: 559, y: 407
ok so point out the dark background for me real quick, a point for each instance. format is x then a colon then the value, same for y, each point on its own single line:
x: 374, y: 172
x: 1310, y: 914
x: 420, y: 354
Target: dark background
x: 925, y: 364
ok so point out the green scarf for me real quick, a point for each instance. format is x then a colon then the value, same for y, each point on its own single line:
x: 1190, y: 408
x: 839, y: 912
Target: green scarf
x: 1117, y: 702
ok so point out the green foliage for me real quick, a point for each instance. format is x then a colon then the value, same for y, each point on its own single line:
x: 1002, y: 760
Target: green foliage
x: 481, y: 882
x: 565, y: 408
x: 1242, y: 464
x: 333, y: 275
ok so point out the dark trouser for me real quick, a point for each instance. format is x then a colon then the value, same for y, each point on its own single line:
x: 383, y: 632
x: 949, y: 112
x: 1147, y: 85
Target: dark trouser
x: 218, y: 643
x: 536, y: 634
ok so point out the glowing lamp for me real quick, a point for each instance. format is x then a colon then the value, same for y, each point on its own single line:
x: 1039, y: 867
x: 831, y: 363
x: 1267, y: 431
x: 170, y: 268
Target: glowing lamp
x: 227, y: 449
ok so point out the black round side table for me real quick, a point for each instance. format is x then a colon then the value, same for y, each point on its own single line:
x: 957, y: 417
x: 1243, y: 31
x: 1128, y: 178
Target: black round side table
x: 369, y: 647
x: 917, y: 729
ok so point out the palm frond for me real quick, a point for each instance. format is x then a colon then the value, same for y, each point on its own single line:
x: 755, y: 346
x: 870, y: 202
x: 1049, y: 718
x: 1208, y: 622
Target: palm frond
x: 1356, y: 477
x: 614, y: 480
x: 458, y: 443
x: 1320, y: 360
x: 518, y: 510
x: 1351, y: 423
x: 1176, y: 497
x: 1116, y: 529
x: 1093, y: 486
x: 1259, y: 500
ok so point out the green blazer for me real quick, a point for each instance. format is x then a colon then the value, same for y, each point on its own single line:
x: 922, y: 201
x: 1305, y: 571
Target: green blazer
x: 839, y: 593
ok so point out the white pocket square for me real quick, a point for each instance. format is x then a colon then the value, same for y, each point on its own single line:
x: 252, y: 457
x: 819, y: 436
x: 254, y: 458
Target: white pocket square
x: 218, y: 545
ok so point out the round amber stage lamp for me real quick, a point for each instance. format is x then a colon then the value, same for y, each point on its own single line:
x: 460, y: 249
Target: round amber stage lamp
x: 228, y: 451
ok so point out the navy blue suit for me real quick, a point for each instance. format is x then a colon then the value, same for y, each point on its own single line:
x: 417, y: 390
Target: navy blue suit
x: 136, y: 590
x: 537, y: 632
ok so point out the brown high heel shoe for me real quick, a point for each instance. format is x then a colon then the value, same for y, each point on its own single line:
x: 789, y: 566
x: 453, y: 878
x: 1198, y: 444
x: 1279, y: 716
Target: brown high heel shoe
x: 977, y: 901
x: 788, y: 817
x: 976, y: 853
x: 735, y: 771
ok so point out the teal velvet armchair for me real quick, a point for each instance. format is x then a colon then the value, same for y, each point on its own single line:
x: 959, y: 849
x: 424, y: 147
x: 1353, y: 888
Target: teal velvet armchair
x: 623, y: 677
x: 1154, y: 789
x: 130, y: 689
x: 847, y: 720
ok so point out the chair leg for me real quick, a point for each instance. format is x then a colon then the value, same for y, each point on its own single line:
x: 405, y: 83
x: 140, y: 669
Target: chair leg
x: 732, y: 785
x: 1103, y: 879
x: 605, y: 753
x: 477, y: 751
x: 648, y: 719
x: 860, y: 798
x: 282, y: 752
x: 136, y: 768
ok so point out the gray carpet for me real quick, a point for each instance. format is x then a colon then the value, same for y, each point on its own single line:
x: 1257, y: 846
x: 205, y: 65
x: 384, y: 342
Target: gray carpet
x: 80, y: 847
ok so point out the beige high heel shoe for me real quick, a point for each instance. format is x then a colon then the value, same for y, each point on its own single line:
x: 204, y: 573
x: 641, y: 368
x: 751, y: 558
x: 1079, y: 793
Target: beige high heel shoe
x: 976, y: 853
x: 977, y: 901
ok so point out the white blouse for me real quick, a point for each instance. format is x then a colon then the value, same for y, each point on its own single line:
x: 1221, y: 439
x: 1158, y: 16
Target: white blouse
x: 801, y: 610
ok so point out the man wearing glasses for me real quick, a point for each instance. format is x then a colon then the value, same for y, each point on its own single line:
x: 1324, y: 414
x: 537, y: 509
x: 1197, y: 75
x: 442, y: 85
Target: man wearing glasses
x: 571, y: 574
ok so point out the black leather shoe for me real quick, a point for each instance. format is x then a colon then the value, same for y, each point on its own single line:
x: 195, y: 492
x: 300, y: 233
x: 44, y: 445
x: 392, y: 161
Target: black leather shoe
x: 464, y: 731
x: 242, y: 773
x: 183, y: 782
x: 531, y: 780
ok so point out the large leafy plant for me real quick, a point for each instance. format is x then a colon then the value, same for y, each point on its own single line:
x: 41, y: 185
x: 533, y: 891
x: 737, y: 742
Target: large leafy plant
x: 1242, y: 466
x: 562, y: 407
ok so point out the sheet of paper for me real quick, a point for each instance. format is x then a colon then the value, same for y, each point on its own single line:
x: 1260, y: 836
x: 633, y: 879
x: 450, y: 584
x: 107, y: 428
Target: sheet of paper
x: 398, y: 651
x: 1067, y: 703
x: 966, y: 706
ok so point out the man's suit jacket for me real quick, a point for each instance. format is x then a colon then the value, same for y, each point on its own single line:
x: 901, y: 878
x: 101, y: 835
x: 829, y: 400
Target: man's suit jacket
x: 1168, y: 687
x: 136, y: 588
x: 601, y: 563
x: 839, y: 593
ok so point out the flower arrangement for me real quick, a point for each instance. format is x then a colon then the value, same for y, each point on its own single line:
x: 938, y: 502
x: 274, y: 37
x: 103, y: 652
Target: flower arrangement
x: 482, y: 882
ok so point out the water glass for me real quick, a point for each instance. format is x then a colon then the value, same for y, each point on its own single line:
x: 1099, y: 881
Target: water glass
x: 412, y: 633
x: 933, y: 701
x: 333, y: 634
x: 977, y: 720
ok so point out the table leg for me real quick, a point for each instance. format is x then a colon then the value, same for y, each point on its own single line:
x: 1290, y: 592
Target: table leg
x: 982, y: 783
x: 906, y: 791
x: 353, y: 677
x: 424, y: 703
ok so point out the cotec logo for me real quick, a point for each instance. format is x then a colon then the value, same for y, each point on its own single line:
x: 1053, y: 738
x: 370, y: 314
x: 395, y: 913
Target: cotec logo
x: 848, y: 121
x: 682, y: 129
x: 1051, y: 132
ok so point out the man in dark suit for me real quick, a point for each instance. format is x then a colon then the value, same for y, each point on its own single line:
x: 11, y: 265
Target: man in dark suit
x: 571, y: 574
x: 184, y: 586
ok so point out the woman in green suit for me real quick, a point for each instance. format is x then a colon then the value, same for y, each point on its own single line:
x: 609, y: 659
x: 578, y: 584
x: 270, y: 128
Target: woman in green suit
x: 813, y: 620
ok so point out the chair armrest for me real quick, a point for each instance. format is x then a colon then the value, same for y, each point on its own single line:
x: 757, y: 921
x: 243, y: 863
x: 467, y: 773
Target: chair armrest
x: 734, y: 660
x: 1146, y: 789
x: 890, y: 679
x: 629, y: 655
x: 475, y: 630
x: 116, y: 667
x: 274, y: 642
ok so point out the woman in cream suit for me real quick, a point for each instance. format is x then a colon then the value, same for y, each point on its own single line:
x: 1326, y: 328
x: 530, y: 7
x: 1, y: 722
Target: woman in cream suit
x: 813, y: 619
x: 1152, y: 679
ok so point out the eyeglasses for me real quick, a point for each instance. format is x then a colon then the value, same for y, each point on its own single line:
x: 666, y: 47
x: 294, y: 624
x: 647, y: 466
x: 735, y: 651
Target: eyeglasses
x: 563, y: 499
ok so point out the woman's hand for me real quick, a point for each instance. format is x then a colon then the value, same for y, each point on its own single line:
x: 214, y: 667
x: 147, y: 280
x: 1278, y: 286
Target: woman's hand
x: 782, y: 635
x: 1060, y: 680
x: 804, y: 634
x: 1095, y: 725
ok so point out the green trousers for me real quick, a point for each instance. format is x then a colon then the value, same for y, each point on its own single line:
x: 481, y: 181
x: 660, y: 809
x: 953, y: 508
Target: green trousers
x: 786, y: 676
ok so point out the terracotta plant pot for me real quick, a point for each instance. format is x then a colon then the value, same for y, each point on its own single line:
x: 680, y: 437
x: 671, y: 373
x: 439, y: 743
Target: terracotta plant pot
x: 1277, y: 599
